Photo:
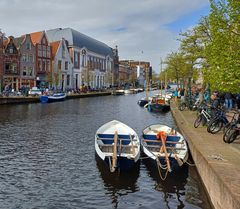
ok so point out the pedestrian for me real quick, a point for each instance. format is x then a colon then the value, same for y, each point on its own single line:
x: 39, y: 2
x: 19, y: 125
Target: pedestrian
x: 175, y: 94
x: 238, y: 101
x: 182, y: 94
x: 228, y: 100
x: 215, y: 100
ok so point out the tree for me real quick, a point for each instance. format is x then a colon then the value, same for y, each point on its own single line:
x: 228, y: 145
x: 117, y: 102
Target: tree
x: 176, y: 67
x: 224, y: 50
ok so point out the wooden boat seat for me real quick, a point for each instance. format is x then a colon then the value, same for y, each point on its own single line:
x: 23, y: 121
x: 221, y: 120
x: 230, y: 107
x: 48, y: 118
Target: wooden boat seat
x: 127, y: 149
x: 159, y: 146
x: 109, y: 138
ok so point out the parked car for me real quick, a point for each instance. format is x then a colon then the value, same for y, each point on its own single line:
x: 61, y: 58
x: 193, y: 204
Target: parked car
x: 34, y: 91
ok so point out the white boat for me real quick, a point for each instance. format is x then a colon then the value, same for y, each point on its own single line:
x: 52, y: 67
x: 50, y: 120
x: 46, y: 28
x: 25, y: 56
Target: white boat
x: 118, y: 92
x: 53, y: 98
x: 166, y: 147
x: 129, y: 91
x: 117, y: 145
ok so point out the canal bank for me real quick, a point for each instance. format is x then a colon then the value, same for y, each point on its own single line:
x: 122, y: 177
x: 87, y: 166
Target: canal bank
x: 218, y: 163
x: 21, y: 99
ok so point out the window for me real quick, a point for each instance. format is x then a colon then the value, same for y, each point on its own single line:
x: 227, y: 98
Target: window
x: 39, y: 53
x: 59, y: 64
x: 39, y: 65
x: 66, y: 65
x: 28, y: 46
x: 83, y: 58
x: 24, y: 59
x: 48, y: 64
x: 30, y: 58
x: 24, y: 71
x: 63, y: 50
x: 44, y: 41
x: 7, y: 66
x: 48, y: 52
x: 11, y: 50
x: 10, y: 68
x: 43, y: 66
x: 68, y: 80
x: 44, y: 53
x: 76, y: 59
x: 30, y: 70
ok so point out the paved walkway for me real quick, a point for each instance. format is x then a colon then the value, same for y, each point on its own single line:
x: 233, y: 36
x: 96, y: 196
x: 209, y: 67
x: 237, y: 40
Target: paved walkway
x: 218, y: 163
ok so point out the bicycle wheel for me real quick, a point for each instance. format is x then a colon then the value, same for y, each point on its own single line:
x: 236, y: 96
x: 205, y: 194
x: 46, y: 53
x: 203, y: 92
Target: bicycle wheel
x: 198, y: 121
x: 182, y: 106
x: 233, y: 133
x: 215, y: 126
x: 226, y: 127
x: 226, y: 132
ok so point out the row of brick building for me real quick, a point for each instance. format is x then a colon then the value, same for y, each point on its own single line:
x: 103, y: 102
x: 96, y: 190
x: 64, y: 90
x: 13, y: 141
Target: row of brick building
x: 63, y: 59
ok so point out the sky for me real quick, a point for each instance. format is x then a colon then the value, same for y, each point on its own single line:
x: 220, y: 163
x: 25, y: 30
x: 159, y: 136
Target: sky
x: 144, y: 30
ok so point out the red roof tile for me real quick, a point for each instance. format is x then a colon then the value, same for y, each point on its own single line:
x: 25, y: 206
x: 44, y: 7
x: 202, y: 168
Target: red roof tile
x: 36, y: 37
x: 54, y: 46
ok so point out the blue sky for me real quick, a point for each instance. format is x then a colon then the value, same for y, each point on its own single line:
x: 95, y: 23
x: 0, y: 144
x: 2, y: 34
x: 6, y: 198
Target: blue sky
x: 187, y: 21
x: 135, y: 26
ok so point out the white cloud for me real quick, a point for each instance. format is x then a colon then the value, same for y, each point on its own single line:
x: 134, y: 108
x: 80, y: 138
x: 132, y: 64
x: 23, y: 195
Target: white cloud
x: 133, y: 25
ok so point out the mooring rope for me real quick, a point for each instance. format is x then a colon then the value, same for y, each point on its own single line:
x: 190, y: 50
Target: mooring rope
x: 159, y: 170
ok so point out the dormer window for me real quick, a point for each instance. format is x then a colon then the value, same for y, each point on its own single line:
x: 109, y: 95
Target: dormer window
x: 11, y: 50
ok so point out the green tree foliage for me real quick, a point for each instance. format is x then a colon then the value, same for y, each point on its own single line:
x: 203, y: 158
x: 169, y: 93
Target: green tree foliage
x: 177, y: 68
x: 223, y: 52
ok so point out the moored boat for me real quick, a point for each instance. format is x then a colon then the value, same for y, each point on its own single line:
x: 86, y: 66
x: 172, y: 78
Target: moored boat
x: 53, y: 98
x: 129, y: 91
x: 118, y: 92
x: 117, y: 145
x: 165, y: 147
x: 159, y: 104
x: 142, y: 102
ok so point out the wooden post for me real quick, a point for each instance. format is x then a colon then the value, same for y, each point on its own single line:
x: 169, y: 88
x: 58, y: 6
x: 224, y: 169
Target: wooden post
x: 114, y: 156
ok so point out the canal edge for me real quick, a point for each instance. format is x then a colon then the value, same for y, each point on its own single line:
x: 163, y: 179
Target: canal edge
x: 220, y: 194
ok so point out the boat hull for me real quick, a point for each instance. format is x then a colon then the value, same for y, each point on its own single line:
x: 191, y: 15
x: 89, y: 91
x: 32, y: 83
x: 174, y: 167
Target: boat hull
x: 123, y: 163
x: 54, y: 98
x: 118, y: 92
x: 142, y: 102
x: 159, y: 107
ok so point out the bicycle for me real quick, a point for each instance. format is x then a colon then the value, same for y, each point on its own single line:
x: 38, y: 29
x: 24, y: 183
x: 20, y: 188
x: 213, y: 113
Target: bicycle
x: 232, y: 129
x: 233, y: 134
x: 204, y: 116
x: 191, y: 104
x: 217, y: 122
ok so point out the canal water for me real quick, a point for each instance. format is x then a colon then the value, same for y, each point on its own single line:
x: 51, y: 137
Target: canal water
x: 47, y: 159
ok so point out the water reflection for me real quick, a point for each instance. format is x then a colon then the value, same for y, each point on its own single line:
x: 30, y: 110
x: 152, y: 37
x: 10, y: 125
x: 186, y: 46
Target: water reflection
x: 173, y: 185
x: 47, y: 159
x: 118, y: 184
